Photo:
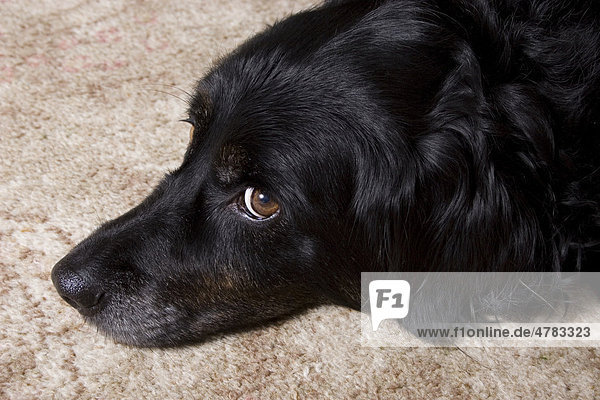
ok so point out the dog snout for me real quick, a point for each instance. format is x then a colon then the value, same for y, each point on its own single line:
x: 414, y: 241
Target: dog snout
x: 75, y: 287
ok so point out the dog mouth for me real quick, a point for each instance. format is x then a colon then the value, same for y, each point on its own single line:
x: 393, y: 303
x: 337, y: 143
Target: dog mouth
x: 88, y: 311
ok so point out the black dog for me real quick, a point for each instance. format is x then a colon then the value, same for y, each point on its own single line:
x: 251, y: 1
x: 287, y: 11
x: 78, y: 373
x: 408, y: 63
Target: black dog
x: 361, y: 136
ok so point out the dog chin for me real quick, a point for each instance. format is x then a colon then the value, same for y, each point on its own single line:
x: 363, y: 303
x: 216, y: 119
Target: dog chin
x: 136, y: 322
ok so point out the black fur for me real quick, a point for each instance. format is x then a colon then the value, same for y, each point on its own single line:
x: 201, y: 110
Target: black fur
x: 395, y: 135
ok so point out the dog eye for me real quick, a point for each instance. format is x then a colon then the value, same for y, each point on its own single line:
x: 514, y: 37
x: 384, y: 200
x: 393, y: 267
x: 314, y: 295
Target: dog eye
x: 192, y: 127
x: 259, y: 204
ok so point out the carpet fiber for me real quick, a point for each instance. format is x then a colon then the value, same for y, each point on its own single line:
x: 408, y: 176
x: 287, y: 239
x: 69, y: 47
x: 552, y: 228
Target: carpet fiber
x: 89, y: 102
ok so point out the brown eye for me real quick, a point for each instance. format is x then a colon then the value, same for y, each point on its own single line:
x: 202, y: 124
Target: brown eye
x: 191, y: 122
x: 259, y: 204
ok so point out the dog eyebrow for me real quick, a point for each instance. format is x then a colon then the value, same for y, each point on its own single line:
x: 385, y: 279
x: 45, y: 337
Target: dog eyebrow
x: 230, y: 163
x: 200, y: 107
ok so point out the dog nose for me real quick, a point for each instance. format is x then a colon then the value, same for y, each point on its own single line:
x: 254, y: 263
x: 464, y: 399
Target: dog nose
x: 77, y: 290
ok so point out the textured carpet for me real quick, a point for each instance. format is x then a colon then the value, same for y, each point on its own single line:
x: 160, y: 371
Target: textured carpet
x: 88, y: 123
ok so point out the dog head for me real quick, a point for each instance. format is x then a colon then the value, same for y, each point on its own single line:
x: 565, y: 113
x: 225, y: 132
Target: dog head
x: 311, y: 160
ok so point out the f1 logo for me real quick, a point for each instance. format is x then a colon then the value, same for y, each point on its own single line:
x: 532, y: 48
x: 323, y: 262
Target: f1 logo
x: 389, y: 300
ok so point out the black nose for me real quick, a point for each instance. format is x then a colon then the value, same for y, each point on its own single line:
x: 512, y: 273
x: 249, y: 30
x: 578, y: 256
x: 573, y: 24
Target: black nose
x: 75, y: 287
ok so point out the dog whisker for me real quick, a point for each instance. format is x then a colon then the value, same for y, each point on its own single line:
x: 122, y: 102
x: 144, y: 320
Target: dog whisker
x: 188, y: 96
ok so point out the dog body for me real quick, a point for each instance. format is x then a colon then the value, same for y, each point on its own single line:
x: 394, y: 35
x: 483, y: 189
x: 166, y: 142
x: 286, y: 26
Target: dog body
x: 361, y: 136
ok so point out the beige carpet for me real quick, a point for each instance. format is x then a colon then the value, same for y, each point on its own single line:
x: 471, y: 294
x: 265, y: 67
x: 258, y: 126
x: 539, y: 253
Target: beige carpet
x: 86, y: 128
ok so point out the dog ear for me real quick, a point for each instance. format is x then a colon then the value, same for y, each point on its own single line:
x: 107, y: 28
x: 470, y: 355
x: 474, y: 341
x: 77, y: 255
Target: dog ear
x: 469, y: 192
